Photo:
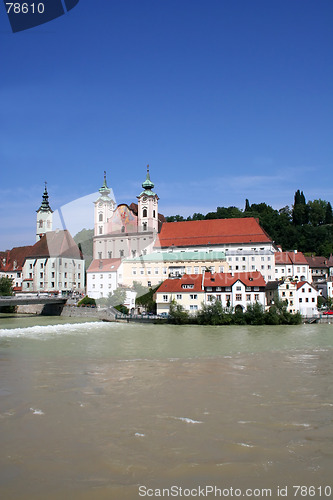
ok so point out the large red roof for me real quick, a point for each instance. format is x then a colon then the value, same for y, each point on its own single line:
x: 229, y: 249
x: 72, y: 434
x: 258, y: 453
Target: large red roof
x: 211, y: 232
x: 210, y: 279
x: 56, y: 244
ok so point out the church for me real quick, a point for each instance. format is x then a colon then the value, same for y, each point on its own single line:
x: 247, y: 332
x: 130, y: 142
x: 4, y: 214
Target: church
x: 135, y: 243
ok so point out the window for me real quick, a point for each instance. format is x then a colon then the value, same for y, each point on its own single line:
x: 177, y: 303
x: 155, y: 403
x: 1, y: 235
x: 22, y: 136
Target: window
x: 100, y: 217
x: 40, y: 223
x: 133, y: 253
x: 210, y: 298
x: 313, y: 299
x: 109, y: 255
x: 149, y: 283
x: 196, y: 270
x: 218, y: 297
x: 156, y: 271
x: 148, y: 270
x: 144, y: 225
x: 193, y: 296
x: 248, y: 297
x: 154, y: 214
x: 41, y: 275
x: 101, y: 276
x: 187, y: 286
x: 301, y: 300
x: 179, y: 296
x: 256, y: 296
x: 121, y: 253
x: 227, y: 297
x: 165, y: 270
x: 52, y: 275
x: 238, y: 296
x: 193, y: 308
x: 142, y: 271
x: 99, y: 255
x: 133, y: 271
x: 100, y: 229
x: 307, y: 299
x: 122, y: 229
x: 41, y: 285
x: 144, y: 212
x: 93, y: 276
x: 165, y: 298
x: 238, y: 288
x: 101, y: 285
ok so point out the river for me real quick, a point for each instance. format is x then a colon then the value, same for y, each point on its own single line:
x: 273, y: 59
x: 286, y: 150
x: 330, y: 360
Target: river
x: 109, y: 411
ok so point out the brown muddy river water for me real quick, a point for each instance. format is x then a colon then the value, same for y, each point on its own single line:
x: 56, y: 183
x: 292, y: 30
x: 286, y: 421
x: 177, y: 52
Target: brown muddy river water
x: 101, y: 411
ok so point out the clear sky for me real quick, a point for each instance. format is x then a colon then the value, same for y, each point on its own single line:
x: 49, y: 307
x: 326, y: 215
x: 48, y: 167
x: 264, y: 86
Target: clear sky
x: 225, y: 99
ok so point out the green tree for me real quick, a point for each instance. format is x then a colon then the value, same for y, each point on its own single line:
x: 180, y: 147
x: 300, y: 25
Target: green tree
x: 247, y: 206
x: 317, y: 212
x: 116, y: 298
x: 6, y: 286
x: 329, y: 214
x: 300, y: 209
x: 87, y: 301
x: 254, y: 314
x: 6, y: 290
x: 177, y: 314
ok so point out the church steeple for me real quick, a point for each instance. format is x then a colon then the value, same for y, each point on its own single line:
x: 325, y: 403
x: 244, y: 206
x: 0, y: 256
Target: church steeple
x: 148, y: 206
x: 148, y: 185
x: 45, y: 206
x: 104, y: 190
x: 44, y: 216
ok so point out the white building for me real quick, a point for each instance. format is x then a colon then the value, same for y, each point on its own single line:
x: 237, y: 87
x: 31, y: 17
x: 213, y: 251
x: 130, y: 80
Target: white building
x: 300, y: 296
x: 54, y: 265
x: 103, y: 277
x: 292, y: 265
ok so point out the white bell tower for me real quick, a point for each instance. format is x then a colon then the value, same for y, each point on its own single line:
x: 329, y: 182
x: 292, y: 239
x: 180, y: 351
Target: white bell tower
x: 148, y: 207
x: 44, y: 216
x: 104, y: 208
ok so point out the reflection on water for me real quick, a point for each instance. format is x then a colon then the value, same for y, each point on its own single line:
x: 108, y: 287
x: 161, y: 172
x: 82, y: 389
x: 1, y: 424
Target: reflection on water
x: 92, y: 411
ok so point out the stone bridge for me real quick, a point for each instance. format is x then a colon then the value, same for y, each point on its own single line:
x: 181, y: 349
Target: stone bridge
x: 52, y: 306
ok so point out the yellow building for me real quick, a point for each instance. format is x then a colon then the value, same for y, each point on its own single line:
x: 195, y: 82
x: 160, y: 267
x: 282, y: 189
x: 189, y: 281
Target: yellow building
x: 152, y: 269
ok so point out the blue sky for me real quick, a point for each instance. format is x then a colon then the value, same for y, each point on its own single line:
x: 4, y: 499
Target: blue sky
x: 225, y: 100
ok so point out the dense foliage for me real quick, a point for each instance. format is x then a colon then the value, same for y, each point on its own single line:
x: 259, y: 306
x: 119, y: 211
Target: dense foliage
x: 255, y: 314
x: 307, y: 227
x: 6, y: 289
x: 86, y: 301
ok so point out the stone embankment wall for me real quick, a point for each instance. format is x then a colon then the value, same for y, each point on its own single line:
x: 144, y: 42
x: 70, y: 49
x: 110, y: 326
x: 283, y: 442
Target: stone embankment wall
x: 88, y: 312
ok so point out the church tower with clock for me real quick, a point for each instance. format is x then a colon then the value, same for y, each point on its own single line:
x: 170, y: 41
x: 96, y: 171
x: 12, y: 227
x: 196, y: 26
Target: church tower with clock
x: 104, y: 208
x: 148, y: 206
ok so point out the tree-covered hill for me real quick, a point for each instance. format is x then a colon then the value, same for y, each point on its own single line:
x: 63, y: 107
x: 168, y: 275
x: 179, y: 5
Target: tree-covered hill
x: 307, y: 227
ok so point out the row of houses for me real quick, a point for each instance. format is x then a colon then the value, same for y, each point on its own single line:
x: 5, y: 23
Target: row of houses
x: 236, y: 292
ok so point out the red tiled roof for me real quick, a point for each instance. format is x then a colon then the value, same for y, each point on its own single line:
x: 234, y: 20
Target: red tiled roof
x: 299, y: 284
x: 211, y: 232
x: 254, y: 278
x: 319, y: 261
x: 216, y: 279
x: 56, y: 244
x: 175, y: 285
x: 17, y: 256
x: 290, y: 258
x: 104, y: 265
